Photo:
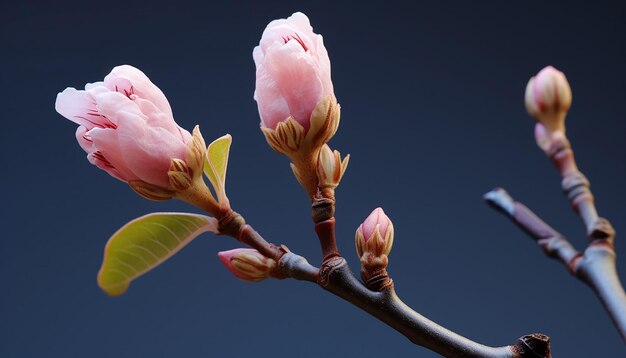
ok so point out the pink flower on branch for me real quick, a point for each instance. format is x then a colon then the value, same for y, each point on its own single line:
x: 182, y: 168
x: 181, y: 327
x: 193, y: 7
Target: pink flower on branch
x: 293, y: 71
x: 127, y: 128
x: 294, y: 93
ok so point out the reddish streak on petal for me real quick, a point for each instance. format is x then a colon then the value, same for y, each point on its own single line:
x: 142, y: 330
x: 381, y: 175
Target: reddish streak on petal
x: 98, y: 155
x: 129, y: 93
x: 297, y: 38
x: 109, y: 124
x: 126, y: 93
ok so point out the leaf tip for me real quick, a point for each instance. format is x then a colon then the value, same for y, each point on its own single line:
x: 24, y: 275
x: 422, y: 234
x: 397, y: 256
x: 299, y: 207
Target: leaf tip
x: 113, y: 290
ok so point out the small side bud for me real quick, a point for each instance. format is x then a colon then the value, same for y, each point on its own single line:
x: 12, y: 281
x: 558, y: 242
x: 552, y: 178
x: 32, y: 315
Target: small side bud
x: 324, y: 122
x: 548, y: 98
x: 330, y: 167
x: 375, y: 235
x: 374, y: 239
x: 249, y: 264
x: 547, y: 141
x: 195, y: 154
x: 179, y: 175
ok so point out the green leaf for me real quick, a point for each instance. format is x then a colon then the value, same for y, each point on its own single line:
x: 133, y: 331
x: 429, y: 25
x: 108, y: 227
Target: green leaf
x: 215, y: 165
x: 146, y: 242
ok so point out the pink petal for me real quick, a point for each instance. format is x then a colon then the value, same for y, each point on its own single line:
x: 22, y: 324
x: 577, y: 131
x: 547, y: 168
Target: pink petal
x: 297, y: 26
x: 272, y: 106
x: 147, y: 151
x: 84, y: 139
x: 97, y: 159
x: 323, y: 61
x: 106, y: 142
x: 110, y: 103
x: 129, y: 80
x: 297, y: 78
x: 79, y: 107
x: 91, y: 86
x: 257, y: 55
x: 156, y: 118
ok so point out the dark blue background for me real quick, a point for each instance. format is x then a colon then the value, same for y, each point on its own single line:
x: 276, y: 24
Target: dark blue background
x: 433, y: 115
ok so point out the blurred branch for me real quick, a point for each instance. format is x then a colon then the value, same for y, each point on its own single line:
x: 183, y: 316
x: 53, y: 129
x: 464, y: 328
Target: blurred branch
x: 596, y: 265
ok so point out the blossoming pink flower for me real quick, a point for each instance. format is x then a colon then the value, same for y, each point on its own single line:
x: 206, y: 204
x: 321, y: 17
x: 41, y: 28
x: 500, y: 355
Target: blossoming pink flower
x: 292, y: 71
x: 126, y: 126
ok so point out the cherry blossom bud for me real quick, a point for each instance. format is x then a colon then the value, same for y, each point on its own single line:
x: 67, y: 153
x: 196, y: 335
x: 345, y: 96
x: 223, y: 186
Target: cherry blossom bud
x: 330, y: 167
x: 127, y: 128
x: 294, y: 93
x: 373, y: 240
x: 293, y: 72
x: 548, y: 98
x: 375, y: 235
x: 248, y: 264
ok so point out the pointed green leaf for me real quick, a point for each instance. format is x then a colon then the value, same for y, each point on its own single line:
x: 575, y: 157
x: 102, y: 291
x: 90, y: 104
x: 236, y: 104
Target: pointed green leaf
x: 215, y: 165
x: 146, y: 242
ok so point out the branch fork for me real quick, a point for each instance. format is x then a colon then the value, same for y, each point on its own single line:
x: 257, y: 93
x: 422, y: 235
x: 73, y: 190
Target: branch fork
x: 375, y: 296
x: 595, y: 266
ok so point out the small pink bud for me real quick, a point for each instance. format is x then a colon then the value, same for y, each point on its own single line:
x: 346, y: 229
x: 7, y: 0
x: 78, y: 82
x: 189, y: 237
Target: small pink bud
x: 377, y: 217
x: 375, y: 235
x: 548, y: 98
x: 248, y: 264
x: 292, y: 72
x: 127, y: 129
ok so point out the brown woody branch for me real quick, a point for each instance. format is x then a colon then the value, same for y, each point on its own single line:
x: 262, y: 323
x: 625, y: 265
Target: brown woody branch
x: 595, y: 266
x: 336, y: 277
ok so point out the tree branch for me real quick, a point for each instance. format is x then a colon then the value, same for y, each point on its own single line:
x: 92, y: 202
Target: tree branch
x: 595, y: 267
x: 337, y: 278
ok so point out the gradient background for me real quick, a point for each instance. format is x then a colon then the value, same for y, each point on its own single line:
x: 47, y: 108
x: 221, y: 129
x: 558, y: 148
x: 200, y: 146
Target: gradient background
x: 433, y: 115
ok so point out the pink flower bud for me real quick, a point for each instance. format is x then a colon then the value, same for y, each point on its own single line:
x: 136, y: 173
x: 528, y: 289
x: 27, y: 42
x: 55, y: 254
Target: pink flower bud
x: 548, y: 98
x: 377, y: 217
x: 292, y: 72
x: 248, y: 264
x: 375, y: 235
x: 126, y: 126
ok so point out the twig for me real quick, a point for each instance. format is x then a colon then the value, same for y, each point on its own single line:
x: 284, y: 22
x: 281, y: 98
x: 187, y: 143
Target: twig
x: 336, y: 277
x: 595, y: 267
